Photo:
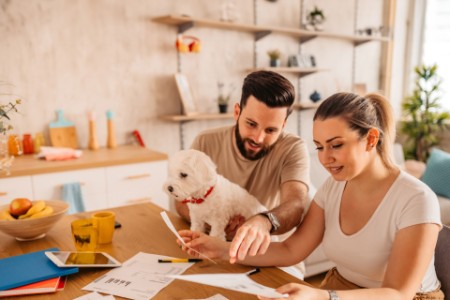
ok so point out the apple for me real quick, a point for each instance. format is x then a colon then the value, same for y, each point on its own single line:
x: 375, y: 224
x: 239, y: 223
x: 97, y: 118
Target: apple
x: 19, y: 206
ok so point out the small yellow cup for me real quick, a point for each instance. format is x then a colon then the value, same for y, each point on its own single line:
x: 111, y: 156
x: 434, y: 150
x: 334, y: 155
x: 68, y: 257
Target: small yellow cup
x: 104, y: 220
x: 84, y: 234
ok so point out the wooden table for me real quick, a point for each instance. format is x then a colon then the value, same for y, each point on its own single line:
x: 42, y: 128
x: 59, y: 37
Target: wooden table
x: 143, y: 230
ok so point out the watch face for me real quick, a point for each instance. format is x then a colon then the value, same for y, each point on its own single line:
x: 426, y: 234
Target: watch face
x: 274, y: 220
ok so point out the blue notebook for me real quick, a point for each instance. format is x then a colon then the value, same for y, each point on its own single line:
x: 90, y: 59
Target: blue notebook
x: 28, y: 268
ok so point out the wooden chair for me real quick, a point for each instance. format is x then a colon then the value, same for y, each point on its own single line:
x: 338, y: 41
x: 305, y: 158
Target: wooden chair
x: 442, y: 260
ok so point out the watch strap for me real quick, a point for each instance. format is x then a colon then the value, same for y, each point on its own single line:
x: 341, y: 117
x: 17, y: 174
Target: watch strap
x: 333, y: 295
x: 274, y: 222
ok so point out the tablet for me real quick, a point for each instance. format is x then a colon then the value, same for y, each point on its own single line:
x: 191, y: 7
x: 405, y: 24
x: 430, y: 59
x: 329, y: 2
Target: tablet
x: 82, y: 259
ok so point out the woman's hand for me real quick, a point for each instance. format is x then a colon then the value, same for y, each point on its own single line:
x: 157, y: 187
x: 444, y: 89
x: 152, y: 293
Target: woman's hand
x: 205, y: 244
x: 300, y: 291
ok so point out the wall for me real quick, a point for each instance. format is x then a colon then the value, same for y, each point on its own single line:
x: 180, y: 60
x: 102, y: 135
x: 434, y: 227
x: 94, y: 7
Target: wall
x: 82, y: 55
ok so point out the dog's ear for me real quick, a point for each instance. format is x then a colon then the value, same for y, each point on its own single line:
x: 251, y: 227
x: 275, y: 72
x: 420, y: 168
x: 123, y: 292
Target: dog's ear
x: 205, y: 166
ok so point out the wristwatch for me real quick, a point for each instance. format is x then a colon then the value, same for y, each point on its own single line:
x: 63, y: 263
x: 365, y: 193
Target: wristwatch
x: 272, y: 219
x: 333, y: 295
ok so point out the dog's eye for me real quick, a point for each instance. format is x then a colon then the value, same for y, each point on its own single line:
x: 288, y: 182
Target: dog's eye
x: 183, y: 175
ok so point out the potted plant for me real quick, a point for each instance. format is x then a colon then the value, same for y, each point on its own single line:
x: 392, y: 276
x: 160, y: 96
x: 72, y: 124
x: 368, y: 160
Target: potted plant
x: 274, y: 56
x: 424, y: 116
x: 315, y: 19
x: 223, y: 98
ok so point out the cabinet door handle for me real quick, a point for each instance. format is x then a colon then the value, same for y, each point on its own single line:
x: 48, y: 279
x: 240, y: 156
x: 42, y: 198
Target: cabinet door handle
x: 3, y: 193
x: 145, y: 175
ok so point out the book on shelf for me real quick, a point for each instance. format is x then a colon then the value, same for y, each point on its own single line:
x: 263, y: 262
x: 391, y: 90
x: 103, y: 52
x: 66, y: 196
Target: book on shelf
x: 41, y: 287
x: 29, y: 268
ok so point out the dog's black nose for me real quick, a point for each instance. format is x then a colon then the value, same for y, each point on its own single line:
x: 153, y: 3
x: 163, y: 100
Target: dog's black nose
x: 170, y: 188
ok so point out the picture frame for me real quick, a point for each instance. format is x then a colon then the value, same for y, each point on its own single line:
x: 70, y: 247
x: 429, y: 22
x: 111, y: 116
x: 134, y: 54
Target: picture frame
x: 302, y: 61
x: 306, y: 61
x: 187, y: 100
x: 293, y: 61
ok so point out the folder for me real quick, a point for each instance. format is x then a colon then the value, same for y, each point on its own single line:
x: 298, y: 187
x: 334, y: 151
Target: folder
x: 46, y: 286
x: 28, y: 268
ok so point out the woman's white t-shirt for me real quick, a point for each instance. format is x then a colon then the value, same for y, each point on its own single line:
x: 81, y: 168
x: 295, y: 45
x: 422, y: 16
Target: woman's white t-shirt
x: 362, y: 257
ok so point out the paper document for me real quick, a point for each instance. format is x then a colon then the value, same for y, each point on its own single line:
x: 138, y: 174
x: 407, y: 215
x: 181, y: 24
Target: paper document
x: 172, y: 228
x: 236, y: 282
x: 95, y: 296
x: 140, y: 277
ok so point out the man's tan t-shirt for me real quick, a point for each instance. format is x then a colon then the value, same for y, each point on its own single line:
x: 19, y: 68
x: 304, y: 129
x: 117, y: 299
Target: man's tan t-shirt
x: 288, y: 160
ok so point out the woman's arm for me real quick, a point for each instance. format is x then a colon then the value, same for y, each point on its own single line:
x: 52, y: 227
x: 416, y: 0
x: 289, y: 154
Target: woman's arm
x: 291, y: 251
x: 411, y: 254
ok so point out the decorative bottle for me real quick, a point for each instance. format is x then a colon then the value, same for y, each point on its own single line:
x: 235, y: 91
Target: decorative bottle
x: 93, y: 140
x: 111, y: 141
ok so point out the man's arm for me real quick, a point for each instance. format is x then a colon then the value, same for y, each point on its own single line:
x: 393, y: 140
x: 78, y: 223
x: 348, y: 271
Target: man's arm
x: 293, y: 204
x: 254, y: 236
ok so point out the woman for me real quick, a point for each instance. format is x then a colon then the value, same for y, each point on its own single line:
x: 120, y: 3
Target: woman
x: 378, y: 224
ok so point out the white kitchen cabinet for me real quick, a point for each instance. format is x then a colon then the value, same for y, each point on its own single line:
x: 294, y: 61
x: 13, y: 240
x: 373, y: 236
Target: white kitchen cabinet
x: 92, y: 181
x: 15, y: 187
x: 140, y: 182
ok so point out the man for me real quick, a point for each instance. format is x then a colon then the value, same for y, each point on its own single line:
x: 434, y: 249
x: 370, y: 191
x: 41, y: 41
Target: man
x: 256, y: 154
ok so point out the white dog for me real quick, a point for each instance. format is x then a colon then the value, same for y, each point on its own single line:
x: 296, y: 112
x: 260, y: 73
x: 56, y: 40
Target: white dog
x: 212, y: 199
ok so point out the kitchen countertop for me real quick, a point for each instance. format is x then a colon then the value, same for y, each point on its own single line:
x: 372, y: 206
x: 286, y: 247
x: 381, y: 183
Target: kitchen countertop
x: 26, y: 165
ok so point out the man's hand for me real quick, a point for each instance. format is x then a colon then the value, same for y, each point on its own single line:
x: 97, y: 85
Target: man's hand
x: 233, y: 225
x: 252, y: 238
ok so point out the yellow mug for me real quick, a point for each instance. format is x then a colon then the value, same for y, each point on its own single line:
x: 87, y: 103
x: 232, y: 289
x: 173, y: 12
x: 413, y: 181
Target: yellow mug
x: 104, y: 221
x: 84, y: 234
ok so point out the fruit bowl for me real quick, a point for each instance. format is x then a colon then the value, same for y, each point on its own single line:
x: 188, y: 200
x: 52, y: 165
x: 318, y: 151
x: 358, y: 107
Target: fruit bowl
x: 30, y: 229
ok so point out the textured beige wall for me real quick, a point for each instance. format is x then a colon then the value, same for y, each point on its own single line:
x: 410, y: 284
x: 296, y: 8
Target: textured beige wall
x: 82, y: 55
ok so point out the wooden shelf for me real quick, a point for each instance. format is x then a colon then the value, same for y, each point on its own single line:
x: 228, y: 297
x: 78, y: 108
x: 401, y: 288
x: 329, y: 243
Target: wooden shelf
x: 302, y: 72
x: 210, y: 116
x: 196, y: 117
x: 302, y: 106
x: 185, y: 22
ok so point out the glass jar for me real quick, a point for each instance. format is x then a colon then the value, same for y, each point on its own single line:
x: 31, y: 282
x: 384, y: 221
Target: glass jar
x: 38, y: 142
x: 28, y: 146
x: 5, y: 159
x: 14, y: 146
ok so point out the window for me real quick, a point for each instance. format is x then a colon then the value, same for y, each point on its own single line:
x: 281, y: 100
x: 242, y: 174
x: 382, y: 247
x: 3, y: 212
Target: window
x: 436, y: 43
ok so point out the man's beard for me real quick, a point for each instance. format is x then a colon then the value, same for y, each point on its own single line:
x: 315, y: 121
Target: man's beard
x: 249, y: 154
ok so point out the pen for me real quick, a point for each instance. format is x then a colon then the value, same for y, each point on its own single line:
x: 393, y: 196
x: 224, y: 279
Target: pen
x: 180, y: 260
x: 253, y: 272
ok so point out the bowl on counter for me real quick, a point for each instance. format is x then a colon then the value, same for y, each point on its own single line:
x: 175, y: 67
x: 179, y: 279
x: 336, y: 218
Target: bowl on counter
x: 31, y: 229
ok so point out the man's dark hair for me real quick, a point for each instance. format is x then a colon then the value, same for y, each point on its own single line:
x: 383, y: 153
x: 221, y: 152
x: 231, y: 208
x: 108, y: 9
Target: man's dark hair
x: 270, y: 88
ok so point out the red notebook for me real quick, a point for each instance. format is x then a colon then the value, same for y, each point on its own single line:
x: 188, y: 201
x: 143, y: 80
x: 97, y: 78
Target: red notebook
x: 46, y: 286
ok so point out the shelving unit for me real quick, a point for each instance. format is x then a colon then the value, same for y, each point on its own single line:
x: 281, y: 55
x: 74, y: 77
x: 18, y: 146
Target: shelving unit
x: 184, y: 23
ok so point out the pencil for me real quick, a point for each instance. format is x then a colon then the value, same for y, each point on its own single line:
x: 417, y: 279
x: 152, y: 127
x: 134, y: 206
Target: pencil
x: 179, y: 260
